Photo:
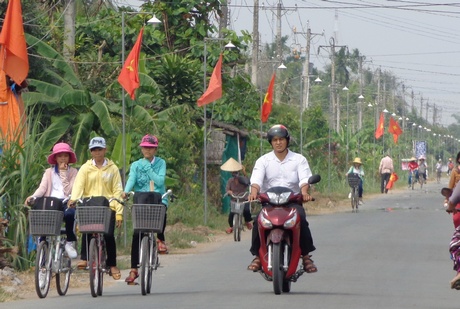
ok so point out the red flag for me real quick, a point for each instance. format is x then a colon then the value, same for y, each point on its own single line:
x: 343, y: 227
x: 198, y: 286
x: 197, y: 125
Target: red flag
x: 379, y: 131
x: 214, y: 90
x: 268, y: 101
x: 394, y: 129
x: 129, y: 75
x: 13, y: 53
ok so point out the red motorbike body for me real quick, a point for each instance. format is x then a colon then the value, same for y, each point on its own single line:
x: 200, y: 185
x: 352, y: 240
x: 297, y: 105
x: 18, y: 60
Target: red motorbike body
x: 287, y: 236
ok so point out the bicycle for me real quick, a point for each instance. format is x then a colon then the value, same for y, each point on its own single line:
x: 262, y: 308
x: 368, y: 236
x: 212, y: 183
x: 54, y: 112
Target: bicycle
x: 412, y: 178
x: 438, y: 176
x: 51, y: 256
x: 147, y: 220
x: 96, y: 220
x: 237, y: 208
x: 353, y: 182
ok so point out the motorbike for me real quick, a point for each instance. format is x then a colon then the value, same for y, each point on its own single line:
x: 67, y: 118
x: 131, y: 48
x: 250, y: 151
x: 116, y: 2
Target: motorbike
x: 279, y: 230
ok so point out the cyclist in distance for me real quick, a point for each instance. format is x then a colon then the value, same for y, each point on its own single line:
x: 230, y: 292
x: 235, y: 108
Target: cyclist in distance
x: 413, y: 166
x: 236, y: 185
x: 385, y: 169
x: 357, y: 168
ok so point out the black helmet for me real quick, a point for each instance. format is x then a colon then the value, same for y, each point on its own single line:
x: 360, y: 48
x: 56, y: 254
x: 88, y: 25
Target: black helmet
x: 278, y: 130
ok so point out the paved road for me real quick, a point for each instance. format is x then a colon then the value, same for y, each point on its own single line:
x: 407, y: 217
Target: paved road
x: 392, y: 254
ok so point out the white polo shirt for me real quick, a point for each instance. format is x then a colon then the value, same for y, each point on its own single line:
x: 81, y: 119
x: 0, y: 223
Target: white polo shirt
x: 270, y: 172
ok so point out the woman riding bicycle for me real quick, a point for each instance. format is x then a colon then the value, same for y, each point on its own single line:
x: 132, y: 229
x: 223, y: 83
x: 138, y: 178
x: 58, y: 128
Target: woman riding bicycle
x: 357, y: 168
x: 413, y: 166
x: 236, y: 185
x: 57, y: 182
x: 100, y: 176
x: 145, y: 175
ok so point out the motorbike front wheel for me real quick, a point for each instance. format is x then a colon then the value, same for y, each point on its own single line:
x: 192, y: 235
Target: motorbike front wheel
x: 277, y: 270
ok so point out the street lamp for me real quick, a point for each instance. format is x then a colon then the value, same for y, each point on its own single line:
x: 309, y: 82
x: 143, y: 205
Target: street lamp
x: 152, y: 21
x: 348, y: 96
x: 205, y: 153
x: 302, y: 106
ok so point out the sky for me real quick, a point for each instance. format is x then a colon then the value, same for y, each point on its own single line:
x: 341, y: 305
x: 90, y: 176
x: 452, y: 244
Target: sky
x: 418, y: 41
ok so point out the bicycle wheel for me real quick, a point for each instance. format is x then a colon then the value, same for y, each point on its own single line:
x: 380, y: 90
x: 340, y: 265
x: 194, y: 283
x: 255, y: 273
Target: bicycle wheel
x: 236, y: 227
x: 144, y: 269
x: 42, y: 270
x: 94, y: 267
x: 154, y: 263
x: 102, y: 256
x: 64, y: 271
x: 356, y: 198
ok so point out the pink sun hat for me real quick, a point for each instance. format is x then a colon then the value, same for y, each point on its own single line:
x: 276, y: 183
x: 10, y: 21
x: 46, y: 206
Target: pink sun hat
x: 149, y: 141
x: 62, y: 148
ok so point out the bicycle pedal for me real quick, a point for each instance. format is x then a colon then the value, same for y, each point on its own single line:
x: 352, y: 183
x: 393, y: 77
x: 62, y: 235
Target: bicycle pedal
x: 133, y: 283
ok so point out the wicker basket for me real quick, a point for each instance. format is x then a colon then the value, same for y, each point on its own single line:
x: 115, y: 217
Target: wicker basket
x: 148, y: 217
x: 237, y: 208
x: 94, y: 219
x: 45, y: 222
x: 353, y: 180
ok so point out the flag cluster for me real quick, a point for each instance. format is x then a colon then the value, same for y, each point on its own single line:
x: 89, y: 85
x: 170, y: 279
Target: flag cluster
x: 214, y: 91
x: 393, y: 128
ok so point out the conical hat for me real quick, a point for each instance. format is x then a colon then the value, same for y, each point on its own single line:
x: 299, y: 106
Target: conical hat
x: 231, y: 166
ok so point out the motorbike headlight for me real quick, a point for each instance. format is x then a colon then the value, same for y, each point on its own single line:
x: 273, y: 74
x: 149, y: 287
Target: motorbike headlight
x: 290, y: 222
x: 278, y: 199
x: 265, y: 222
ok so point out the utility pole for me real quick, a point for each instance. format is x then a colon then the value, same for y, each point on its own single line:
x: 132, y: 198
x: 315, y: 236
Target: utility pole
x: 306, y: 65
x: 69, y: 29
x: 279, y: 46
x: 421, y: 106
x: 255, y: 44
x: 334, y: 109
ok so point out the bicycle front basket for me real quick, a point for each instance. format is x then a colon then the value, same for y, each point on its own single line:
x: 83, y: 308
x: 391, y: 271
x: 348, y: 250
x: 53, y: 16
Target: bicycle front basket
x: 148, y: 217
x: 45, y: 222
x: 353, y: 180
x: 237, y: 207
x: 94, y: 219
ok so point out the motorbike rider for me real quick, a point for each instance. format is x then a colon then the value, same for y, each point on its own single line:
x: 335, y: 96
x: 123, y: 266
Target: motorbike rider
x: 282, y: 167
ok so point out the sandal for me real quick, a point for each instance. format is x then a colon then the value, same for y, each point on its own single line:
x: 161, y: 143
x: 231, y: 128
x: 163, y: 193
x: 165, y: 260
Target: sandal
x: 308, y: 265
x: 255, y: 264
x: 133, y: 275
x: 162, y: 248
x: 116, y: 275
x: 455, y: 283
x: 82, y: 264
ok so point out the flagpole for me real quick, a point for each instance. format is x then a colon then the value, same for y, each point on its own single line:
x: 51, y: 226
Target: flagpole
x: 205, y: 155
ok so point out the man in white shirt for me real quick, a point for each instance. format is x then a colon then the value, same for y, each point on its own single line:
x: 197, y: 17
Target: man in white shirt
x: 282, y: 167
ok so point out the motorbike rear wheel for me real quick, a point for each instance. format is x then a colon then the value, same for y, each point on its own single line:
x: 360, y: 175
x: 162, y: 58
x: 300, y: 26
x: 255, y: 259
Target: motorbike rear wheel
x: 277, y: 270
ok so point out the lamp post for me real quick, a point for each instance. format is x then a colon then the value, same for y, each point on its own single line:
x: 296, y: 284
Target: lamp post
x: 348, y: 96
x: 304, y: 106
x: 153, y: 21
x: 205, y: 153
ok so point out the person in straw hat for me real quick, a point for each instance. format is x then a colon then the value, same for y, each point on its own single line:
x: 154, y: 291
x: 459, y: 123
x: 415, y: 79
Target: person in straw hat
x: 413, y: 168
x: 57, y: 181
x: 357, y: 168
x: 236, y: 185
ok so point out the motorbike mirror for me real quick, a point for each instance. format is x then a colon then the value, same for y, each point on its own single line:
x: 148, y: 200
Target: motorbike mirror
x: 446, y: 192
x: 314, y: 179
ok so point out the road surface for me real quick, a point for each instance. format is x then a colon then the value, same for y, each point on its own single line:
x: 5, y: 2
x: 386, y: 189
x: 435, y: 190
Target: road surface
x: 392, y: 254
